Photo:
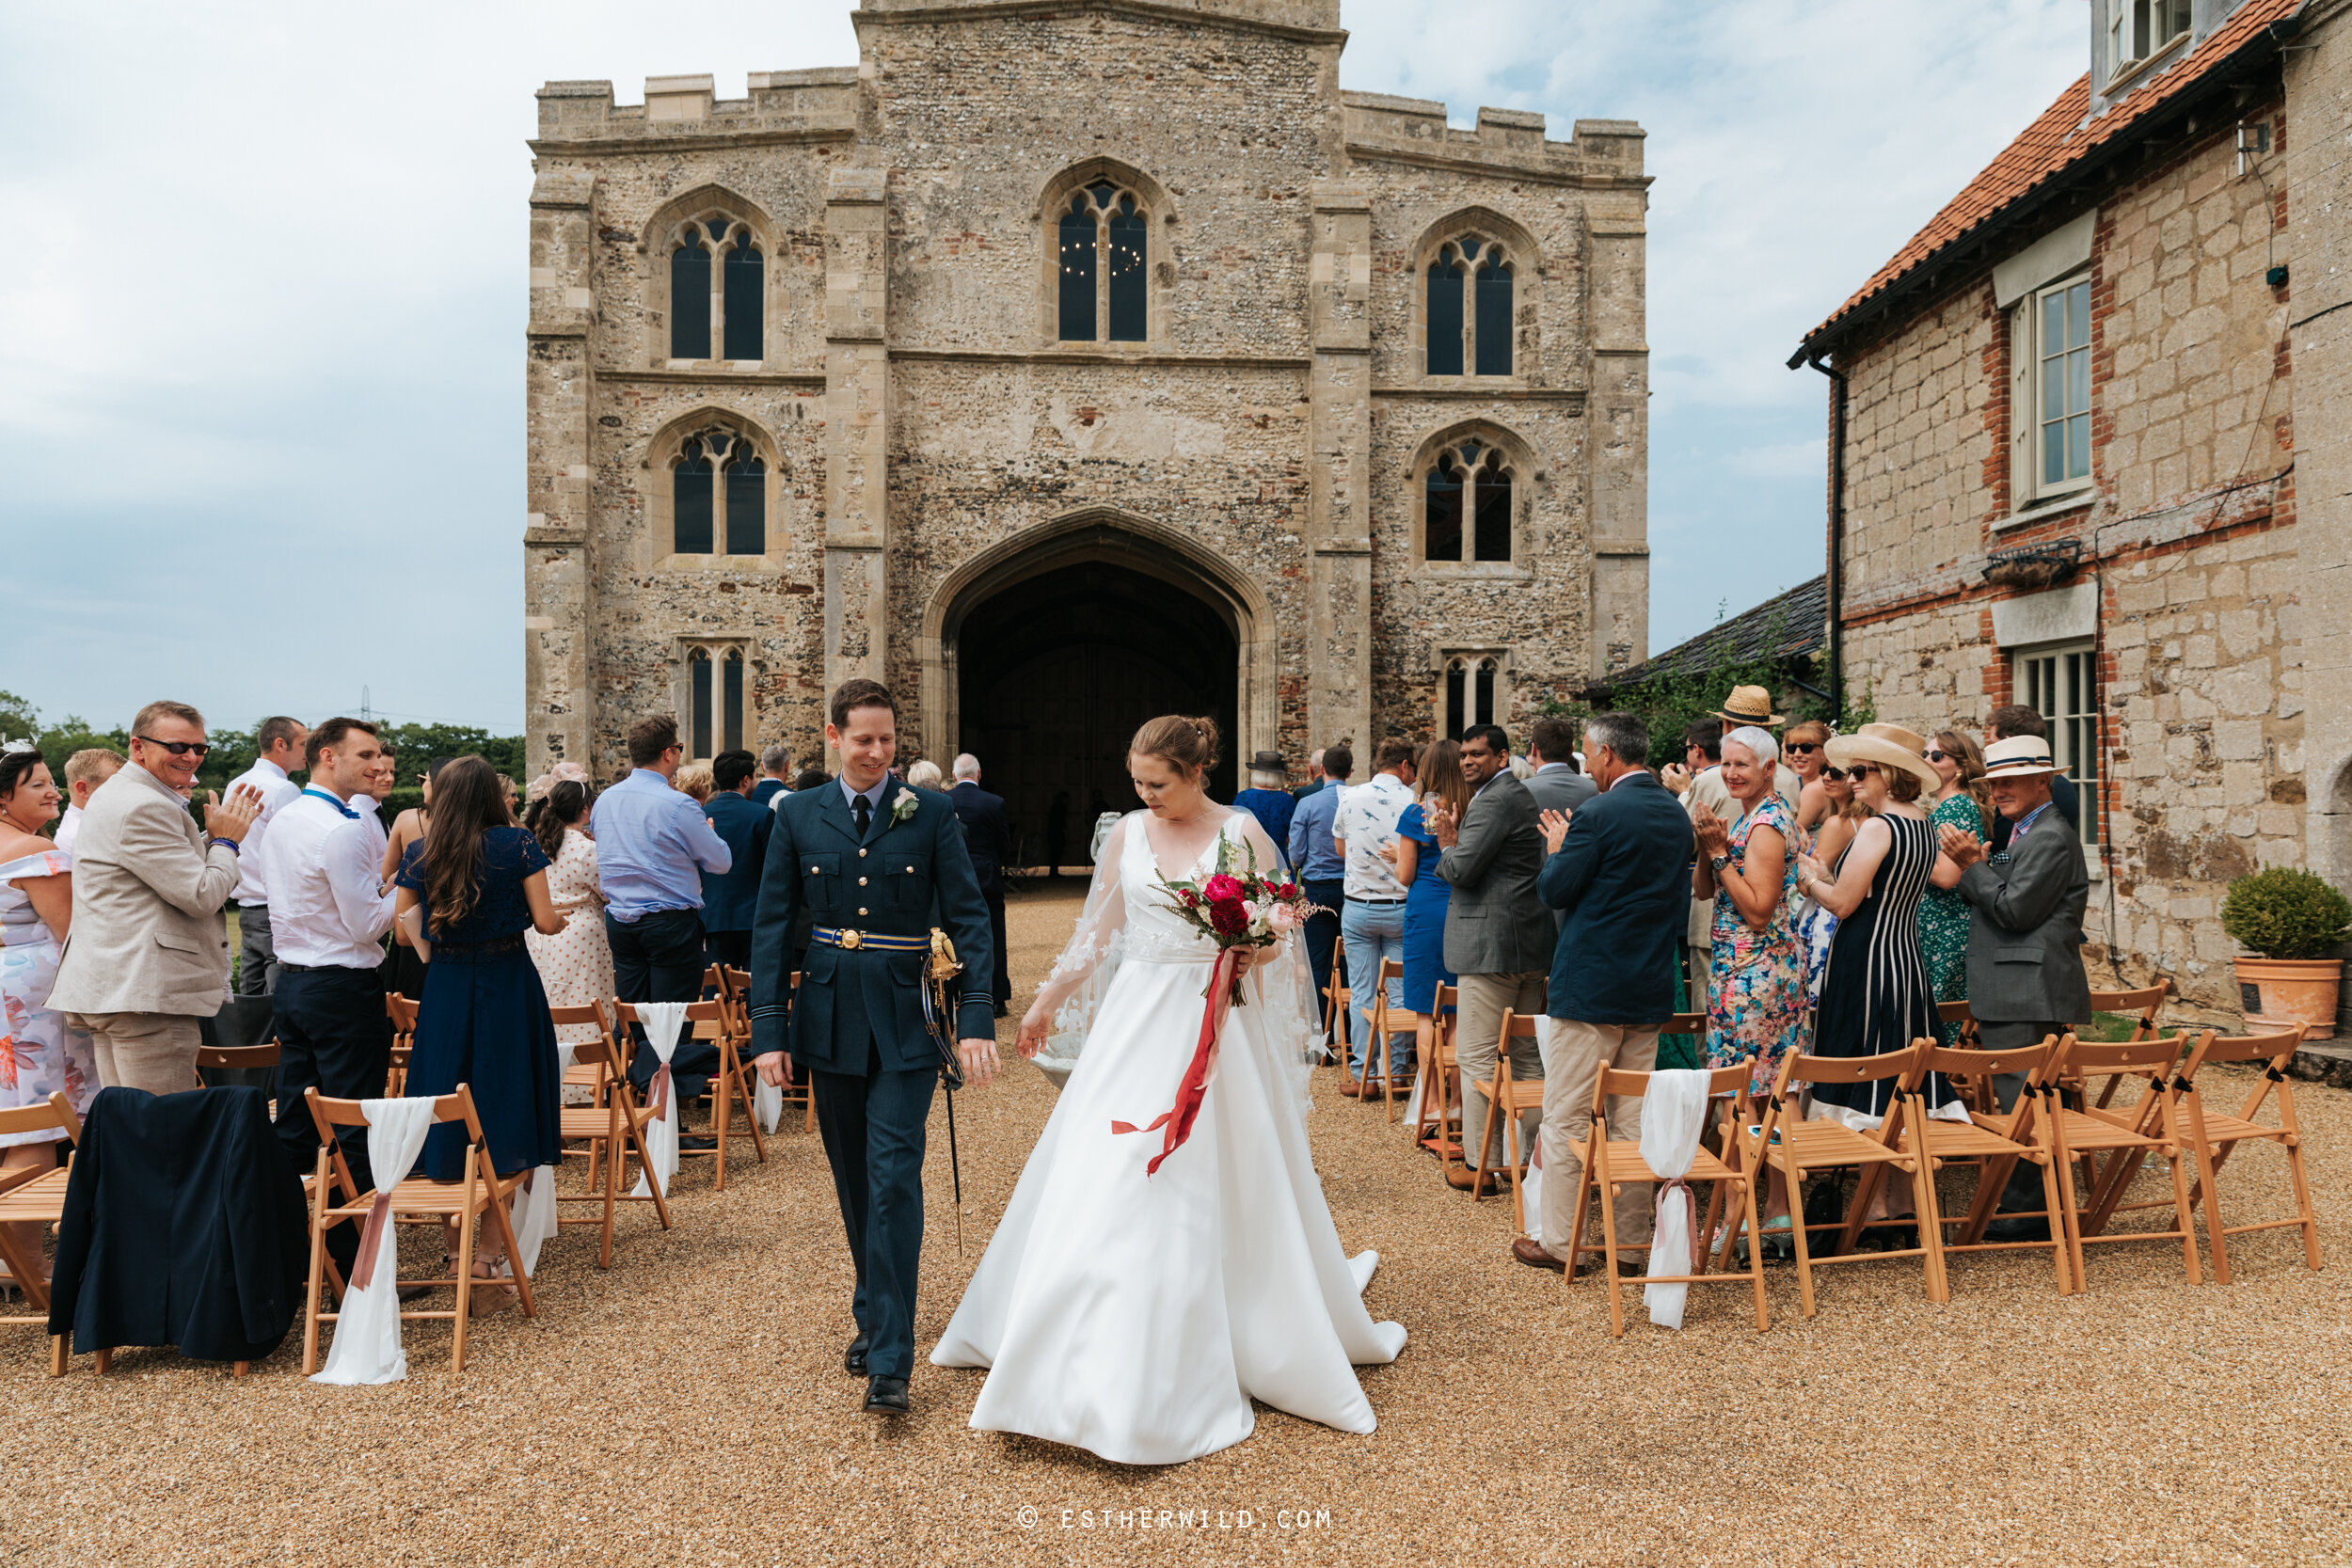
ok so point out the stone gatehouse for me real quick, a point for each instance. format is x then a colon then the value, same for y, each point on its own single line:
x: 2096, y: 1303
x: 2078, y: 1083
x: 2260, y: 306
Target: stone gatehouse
x: 1064, y: 363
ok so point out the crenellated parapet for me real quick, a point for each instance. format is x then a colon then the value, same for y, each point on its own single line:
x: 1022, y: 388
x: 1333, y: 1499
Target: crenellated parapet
x: 1507, y: 141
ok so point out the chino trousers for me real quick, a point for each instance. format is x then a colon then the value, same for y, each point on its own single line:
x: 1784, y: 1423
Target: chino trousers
x: 1573, y: 1057
x: 874, y: 1125
x: 155, y: 1052
x: 1477, y: 1032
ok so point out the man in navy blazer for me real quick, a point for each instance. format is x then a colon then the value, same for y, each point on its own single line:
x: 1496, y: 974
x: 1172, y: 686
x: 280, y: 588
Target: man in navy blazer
x: 1619, y: 869
x: 731, y: 897
x: 990, y: 844
x: 880, y: 864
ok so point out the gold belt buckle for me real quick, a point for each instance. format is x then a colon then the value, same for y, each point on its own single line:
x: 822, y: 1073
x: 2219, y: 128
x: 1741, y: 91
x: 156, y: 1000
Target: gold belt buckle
x: 853, y: 939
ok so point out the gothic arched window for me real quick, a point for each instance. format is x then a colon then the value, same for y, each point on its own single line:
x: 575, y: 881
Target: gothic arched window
x: 1472, y: 691
x: 1104, y: 254
x: 1466, y: 503
x: 717, y: 311
x: 1471, y: 307
x: 707, y: 514
x: 714, y: 694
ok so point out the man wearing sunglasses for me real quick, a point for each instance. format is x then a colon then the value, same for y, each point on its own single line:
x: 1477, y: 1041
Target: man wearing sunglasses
x: 147, y: 954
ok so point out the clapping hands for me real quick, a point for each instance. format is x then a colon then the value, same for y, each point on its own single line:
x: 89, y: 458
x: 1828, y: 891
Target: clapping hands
x: 1443, y: 824
x: 1674, y: 777
x: 1964, y: 848
x: 1713, y: 835
x: 1556, y: 829
x: 235, y: 818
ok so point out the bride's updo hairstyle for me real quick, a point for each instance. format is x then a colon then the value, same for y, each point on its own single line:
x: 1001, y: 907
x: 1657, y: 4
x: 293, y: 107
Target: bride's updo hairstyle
x: 1188, y: 745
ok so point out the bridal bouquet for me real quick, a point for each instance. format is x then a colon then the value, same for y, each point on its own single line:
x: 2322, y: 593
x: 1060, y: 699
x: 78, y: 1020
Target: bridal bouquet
x: 1239, y: 908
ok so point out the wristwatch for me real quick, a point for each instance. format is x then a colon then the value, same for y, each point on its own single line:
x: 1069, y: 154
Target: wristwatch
x: 1719, y: 862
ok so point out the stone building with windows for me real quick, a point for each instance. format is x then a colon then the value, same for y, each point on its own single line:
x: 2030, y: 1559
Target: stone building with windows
x: 2088, y: 453
x: 1061, y: 364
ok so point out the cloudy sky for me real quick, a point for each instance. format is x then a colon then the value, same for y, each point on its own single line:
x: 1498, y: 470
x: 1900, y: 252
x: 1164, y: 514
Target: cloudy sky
x: 261, y: 392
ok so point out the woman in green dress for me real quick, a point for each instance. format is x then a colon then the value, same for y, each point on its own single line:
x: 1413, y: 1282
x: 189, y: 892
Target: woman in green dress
x: 1943, y: 913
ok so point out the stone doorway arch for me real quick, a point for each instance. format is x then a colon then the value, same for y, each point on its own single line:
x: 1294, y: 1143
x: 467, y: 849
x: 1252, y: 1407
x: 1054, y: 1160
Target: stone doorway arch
x: 1048, y: 647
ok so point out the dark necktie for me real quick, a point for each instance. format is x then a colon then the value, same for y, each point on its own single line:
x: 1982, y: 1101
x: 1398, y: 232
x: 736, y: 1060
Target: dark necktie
x: 864, y: 811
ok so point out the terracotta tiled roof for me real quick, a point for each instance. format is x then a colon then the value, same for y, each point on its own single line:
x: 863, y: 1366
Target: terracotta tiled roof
x: 2058, y: 141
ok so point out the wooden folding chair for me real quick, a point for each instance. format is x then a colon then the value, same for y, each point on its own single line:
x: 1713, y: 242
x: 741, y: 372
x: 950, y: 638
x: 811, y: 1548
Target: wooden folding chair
x: 2211, y: 1135
x: 1439, y: 1077
x: 610, y: 1130
x: 1609, y: 1166
x: 2027, y: 1135
x: 403, y: 1013
x: 2145, y: 1003
x: 1800, y: 1148
x: 1974, y: 1088
x: 1506, y: 1097
x: 1335, y: 1000
x: 35, y: 1194
x: 2152, y: 1127
x: 414, y: 1201
x: 1379, y: 1022
x: 739, y: 984
x: 729, y: 1086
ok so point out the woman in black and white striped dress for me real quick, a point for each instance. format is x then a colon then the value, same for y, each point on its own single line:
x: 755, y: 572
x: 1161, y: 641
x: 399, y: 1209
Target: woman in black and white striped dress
x: 1877, y: 996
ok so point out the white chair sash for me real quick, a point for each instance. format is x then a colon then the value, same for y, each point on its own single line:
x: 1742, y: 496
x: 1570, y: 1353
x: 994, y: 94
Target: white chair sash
x: 1673, y: 1109
x: 367, y: 1346
x: 534, y: 1215
x: 663, y: 1022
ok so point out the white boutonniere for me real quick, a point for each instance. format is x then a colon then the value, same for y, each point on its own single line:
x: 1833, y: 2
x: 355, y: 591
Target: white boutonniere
x: 906, y: 805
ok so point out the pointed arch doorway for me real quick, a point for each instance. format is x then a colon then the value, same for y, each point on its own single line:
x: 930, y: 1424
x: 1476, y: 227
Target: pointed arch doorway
x: 1045, y: 655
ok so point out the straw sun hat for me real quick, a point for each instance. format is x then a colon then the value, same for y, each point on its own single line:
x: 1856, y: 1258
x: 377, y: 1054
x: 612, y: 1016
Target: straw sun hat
x: 1749, y: 704
x: 1888, y: 746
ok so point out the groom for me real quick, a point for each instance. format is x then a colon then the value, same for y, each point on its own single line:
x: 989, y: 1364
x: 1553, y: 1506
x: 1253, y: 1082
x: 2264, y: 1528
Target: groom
x: 878, y: 864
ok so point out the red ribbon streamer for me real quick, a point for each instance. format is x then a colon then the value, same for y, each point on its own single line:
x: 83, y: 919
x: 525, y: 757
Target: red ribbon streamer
x: 658, y: 1094
x: 370, y: 1238
x: 1179, y: 1118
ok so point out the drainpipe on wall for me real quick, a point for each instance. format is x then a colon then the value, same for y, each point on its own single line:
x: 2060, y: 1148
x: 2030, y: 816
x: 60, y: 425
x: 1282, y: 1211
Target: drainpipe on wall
x: 1836, y: 586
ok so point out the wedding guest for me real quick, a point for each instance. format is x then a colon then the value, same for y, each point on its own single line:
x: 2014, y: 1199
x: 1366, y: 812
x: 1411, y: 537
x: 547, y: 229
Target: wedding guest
x: 990, y: 843
x: 575, y: 965
x: 1314, y: 856
x: 2026, y: 898
x: 1269, y: 798
x: 328, y: 911
x: 408, y: 970
x: 1498, y: 933
x: 926, y: 775
x: 149, y: 951
x: 776, y: 774
x: 1747, y: 871
x: 1876, y: 996
x: 2012, y: 722
x: 809, y: 778
x: 277, y: 745
x: 85, y: 770
x: 1943, y: 913
x: 696, y: 780
x: 1316, y: 777
x: 1438, y: 776
x: 1620, y: 867
x: 653, y: 844
x: 1700, y: 784
x: 1557, y: 782
x: 1373, y: 917
x: 731, y: 897
x: 1800, y: 748
x: 44, y: 1055
x: 478, y: 884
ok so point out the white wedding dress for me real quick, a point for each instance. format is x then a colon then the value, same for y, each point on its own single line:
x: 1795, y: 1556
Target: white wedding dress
x: 1137, y: 1317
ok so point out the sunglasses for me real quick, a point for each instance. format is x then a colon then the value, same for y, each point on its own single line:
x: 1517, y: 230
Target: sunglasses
x: 1803, y: 746
x: 1938, y: 756
x: 1861, y: 769
x: 177, y: 747
x: 1834, y: 775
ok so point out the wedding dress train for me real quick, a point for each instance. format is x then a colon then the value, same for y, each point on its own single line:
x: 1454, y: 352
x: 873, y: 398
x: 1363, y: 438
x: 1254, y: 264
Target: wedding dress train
x: 1137, y: 1317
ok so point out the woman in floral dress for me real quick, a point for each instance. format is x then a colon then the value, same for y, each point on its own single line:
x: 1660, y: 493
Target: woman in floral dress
x: 39, y: 1054
x: 1943, y: 913
x: 575, y: 964
x: 1757, y: 996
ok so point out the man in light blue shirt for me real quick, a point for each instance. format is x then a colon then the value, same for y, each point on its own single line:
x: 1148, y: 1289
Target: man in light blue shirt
x: 653, y: 844
x: 1315, y: 857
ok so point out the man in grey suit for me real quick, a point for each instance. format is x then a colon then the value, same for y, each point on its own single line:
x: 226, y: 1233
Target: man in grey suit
x: 146, y: 955
x: 1556, y: 783
x: 2025, y: 978
x: 1499, y: 935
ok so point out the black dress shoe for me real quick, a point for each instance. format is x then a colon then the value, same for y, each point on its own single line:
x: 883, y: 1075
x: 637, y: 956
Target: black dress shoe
x: 692, y: 1143
x: 886, y: 1395
x: 2019, y: 1227
x: 853, y: 1359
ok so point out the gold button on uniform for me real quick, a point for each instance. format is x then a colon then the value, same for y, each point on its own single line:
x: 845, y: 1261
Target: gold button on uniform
x: 861, y: 881
x: 861, y: 912
x: 861, y: 854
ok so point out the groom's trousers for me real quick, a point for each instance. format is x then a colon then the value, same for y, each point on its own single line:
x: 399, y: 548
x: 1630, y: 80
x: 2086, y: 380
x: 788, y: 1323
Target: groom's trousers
x: 873, y: 1125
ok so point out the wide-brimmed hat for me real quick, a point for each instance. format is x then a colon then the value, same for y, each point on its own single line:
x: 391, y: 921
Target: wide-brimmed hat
x: 1749, y: 704
x: 1888, y: 745
x: 2021, y: 756
x: 1266, y: 762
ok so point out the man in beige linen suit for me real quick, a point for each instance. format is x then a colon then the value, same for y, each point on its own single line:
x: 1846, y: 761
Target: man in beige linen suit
x: 147, y: 952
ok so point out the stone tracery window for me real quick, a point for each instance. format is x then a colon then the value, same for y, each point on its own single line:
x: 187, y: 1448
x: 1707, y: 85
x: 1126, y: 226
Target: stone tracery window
x: 1102, y: 265
x: 714, y: 701
x: 1466, y: 506
x: 1471, y: 692
x: 718, y: 496
x: 718, y: 283
x: 1469, y: 316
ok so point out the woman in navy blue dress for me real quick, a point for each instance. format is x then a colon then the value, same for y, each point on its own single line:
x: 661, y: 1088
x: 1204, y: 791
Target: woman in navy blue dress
x: 483, y: 1021
x: 1426, y: 894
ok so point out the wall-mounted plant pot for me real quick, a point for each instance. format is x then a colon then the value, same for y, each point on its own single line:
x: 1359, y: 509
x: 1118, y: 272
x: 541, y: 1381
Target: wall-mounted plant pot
x: 2291, y: 990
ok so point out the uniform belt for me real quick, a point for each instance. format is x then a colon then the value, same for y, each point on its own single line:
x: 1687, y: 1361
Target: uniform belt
x: 835, y: 937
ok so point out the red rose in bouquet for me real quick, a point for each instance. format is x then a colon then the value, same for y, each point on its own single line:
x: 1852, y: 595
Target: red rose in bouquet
x: 1222, y: 888
x: 1229, y: 917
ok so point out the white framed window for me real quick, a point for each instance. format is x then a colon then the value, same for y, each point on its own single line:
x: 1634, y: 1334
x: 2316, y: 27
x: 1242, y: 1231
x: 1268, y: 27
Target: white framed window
x: 714, y: 699
x: 2050, y: 391
x: 2140, y: 30
x: 2060, y: 682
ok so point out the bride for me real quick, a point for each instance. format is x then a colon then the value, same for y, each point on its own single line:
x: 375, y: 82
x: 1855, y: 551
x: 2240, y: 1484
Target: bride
x: 1136, y: 1316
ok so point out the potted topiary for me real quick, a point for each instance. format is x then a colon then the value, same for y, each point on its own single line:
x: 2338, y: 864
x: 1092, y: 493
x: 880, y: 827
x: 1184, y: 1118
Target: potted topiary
x: 2292, y: 920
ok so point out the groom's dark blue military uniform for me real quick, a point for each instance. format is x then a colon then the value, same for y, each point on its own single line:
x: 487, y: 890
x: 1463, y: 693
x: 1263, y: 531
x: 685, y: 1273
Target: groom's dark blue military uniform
x: 858, y: 1021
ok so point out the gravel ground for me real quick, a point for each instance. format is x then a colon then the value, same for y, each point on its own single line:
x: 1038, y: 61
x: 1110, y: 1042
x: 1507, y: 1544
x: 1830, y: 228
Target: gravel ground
x: 688, y: 1407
